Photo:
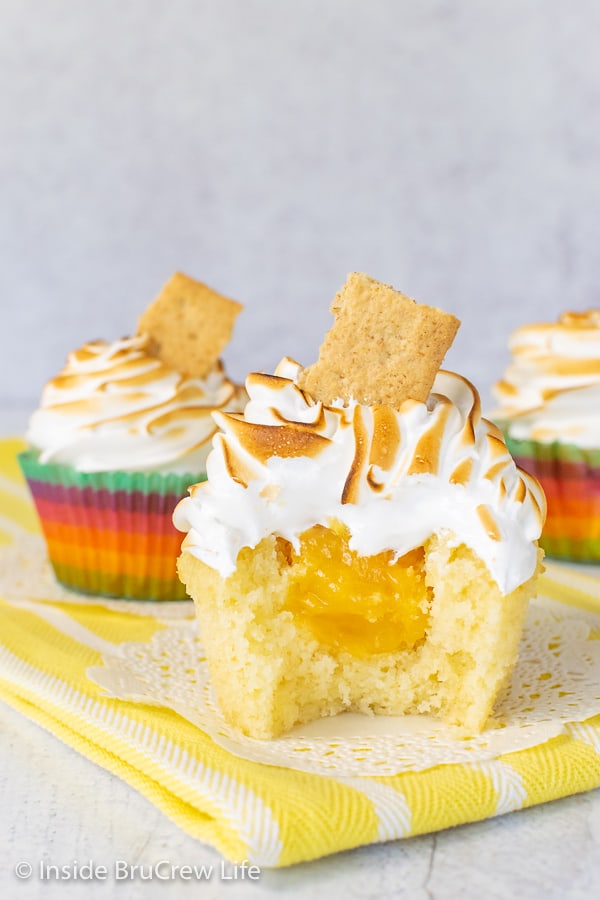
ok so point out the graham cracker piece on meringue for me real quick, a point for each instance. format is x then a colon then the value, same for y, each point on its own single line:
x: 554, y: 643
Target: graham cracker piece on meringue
x: 189, y: 324
x: 383, y: 348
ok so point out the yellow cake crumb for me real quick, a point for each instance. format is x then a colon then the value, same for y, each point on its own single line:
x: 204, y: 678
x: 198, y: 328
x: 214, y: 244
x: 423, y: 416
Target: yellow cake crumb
x: 272, y: 670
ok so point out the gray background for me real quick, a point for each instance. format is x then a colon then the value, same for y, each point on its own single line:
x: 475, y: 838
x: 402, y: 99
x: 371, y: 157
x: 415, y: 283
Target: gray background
x: 451, y: 149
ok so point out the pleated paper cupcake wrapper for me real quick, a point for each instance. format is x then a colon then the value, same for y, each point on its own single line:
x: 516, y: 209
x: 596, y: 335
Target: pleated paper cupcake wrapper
x: 570, y: 477
x: 110, y: 533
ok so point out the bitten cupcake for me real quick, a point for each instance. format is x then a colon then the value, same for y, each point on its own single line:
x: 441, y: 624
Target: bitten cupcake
x: 120, y: 433
x: 550, y: 414
x: 364, y: 541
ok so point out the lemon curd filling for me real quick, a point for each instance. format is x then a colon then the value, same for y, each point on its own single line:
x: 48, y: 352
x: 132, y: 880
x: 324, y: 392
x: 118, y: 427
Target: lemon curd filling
x: 359, y: 604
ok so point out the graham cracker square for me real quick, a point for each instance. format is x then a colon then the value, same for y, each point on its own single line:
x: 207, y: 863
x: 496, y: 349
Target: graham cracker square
x: 383, y: 348
x: 189, y: 324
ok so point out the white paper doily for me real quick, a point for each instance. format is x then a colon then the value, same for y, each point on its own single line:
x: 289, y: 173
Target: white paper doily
x: 26, y: 575
x: 555, y: 682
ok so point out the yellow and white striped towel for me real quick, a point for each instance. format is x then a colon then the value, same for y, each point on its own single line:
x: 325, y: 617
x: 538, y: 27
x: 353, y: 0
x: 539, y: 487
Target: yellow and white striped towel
x: 271, y: 816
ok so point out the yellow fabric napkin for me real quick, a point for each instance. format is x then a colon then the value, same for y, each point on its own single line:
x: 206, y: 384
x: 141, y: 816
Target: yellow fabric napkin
x: 268, y: 815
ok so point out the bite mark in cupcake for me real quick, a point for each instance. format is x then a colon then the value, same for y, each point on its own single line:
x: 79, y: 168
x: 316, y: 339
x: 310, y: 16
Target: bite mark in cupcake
x: 368, y: 556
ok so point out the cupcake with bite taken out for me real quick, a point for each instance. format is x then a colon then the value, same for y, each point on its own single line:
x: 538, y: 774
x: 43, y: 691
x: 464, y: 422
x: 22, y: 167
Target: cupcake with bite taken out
x: 364, y: 541
x: 550, y: 414
x: 120, y: 433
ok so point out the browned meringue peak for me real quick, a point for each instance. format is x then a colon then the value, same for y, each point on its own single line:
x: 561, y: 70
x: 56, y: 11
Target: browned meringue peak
x: 588, y: 319
x: 265, y: 441
x: 550, y: 389
x: 115, y: 406
x: 392, y: 477
x: 386, y: 445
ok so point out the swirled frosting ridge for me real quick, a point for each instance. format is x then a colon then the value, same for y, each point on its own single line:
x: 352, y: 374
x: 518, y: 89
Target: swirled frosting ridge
x: 551, y: 388
x: 393, y: 477
x: 115, y: 406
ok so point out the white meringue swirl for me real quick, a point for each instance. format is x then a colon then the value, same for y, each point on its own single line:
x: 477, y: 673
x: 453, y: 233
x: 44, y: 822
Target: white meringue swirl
x: 551, y: 388
x: 393, y: 477
x: 114, y: 406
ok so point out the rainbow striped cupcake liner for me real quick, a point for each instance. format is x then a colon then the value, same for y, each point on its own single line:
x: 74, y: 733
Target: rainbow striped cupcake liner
x: 110, y: 533
x: 570, y: 477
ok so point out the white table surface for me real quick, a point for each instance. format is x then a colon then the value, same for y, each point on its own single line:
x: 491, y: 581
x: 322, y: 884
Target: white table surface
x: 58, y: 808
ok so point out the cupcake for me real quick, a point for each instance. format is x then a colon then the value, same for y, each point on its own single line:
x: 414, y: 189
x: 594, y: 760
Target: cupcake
x: 550, y: 417
x: 120, y: 433
x: 364, y: 541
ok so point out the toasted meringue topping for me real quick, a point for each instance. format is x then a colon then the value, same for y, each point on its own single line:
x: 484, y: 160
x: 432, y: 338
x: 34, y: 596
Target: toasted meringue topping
x: 114, y: 406
x: 551, y: 388
x: 392, y: 477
